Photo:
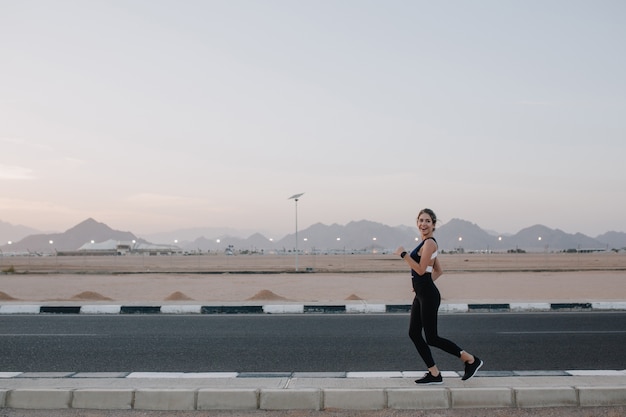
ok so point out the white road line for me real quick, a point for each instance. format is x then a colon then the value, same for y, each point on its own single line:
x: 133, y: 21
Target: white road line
x: 569, y: 332
x: 51, y: 335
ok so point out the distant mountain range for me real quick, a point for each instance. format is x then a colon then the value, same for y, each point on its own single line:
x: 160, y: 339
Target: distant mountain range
x: 361, y: 235
x: 72, y: 239
x: 14, y: 232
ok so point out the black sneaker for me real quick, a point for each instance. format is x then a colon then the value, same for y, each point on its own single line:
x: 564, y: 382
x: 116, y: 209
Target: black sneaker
x: 472, y: 368
x: 429, y: 379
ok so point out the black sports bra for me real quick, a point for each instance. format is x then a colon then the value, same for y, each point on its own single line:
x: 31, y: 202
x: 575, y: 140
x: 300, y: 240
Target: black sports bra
x: 417, y: 258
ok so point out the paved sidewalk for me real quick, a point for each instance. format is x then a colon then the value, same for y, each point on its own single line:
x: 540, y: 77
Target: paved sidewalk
x: 310, y: 391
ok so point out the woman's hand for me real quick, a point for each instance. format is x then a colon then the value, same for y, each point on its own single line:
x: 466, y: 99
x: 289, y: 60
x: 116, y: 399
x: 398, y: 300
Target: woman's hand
x: 399, y: 250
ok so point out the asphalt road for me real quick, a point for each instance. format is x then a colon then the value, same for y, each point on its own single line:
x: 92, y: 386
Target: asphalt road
x: 304, y: 343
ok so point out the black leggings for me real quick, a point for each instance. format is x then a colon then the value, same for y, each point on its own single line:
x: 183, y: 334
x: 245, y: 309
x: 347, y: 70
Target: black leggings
x: 424, y: 316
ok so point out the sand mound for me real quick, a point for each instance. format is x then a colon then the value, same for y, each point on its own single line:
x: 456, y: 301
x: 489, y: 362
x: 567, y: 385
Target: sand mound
x: 266, y: 295
x: 6, y: 297
x: 353, y: 297
x: 177, y: 296
x: 90, y: 295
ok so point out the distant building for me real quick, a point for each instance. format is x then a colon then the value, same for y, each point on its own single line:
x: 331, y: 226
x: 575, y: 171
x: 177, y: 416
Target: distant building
x: 115, y: 247
x: 591, y: 250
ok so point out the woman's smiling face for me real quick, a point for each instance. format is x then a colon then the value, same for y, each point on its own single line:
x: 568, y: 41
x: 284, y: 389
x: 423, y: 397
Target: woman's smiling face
x: 425, y: 224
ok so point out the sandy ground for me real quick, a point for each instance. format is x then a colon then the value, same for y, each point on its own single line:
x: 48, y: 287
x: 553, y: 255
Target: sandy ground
x: 267, y: 280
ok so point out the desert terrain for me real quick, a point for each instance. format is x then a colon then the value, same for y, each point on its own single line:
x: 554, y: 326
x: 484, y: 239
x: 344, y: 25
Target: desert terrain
x: 344, y: 278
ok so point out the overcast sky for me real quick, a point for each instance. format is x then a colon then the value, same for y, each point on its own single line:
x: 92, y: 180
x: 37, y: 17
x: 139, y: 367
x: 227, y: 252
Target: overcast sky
x: 154, y: 115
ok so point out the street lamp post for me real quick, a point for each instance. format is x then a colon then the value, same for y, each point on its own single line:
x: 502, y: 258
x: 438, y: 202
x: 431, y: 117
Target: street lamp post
x: 56, y: 255
x: 296, y: 197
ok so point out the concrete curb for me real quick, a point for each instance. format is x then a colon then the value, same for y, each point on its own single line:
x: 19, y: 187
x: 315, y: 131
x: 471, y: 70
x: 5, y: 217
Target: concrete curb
x: 355, y: 308
x: 311, y: 398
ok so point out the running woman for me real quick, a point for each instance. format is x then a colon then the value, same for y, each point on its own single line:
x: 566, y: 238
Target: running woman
x: 425, y: 269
